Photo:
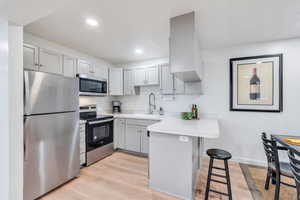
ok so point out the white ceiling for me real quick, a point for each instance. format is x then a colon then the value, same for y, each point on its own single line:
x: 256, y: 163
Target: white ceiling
x: 129, y: 24
x: 22, y: 12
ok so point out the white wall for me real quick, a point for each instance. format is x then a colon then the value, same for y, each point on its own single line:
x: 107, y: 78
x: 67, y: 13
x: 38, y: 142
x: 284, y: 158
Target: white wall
x: 103, y: 103
x: 16, y: 111
x: 4, y: 115
x: 240, y: 131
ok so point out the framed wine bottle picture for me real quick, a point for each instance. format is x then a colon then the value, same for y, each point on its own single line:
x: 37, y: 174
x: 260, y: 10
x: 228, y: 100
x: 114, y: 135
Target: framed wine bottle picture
x: 256, y: 83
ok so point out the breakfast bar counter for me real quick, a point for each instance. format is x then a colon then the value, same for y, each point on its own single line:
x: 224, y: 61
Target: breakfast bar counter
x: 175, y: 150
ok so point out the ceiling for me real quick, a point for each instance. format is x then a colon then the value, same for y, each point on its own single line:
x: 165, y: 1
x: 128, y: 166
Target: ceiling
x: 22, y: 12
x: 129, y: 24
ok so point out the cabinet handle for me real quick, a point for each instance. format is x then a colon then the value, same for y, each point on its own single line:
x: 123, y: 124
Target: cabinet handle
x: 41, y: 65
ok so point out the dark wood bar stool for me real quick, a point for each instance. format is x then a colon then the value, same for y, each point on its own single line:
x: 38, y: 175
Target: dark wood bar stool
x: 219, y: 155
x: 294, y: 157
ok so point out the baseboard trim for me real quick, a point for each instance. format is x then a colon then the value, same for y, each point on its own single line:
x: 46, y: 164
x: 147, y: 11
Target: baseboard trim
x: 247, y: 161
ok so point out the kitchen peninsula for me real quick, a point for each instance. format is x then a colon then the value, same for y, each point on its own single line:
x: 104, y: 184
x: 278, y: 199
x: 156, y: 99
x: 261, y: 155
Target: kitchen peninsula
x: 175, y: 151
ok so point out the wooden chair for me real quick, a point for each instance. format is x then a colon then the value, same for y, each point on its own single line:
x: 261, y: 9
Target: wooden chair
x: 294, y: 157
x: 276, y: 169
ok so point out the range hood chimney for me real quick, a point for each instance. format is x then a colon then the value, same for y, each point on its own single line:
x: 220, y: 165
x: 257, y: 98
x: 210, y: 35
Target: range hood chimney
x: 184, y: 57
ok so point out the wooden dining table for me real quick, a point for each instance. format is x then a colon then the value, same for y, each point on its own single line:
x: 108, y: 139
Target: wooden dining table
x: 280, y: 140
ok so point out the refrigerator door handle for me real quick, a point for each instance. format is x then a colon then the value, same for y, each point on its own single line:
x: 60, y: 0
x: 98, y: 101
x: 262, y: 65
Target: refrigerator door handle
x: 25, y: 139
x: 26, y: 94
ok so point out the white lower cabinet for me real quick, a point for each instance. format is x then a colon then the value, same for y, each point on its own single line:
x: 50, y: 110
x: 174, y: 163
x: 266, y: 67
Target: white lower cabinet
x: 119, y: 133
x: 132, y: 138
x: 131, y: 135
x: 82, y: 144
x: 144, y: 141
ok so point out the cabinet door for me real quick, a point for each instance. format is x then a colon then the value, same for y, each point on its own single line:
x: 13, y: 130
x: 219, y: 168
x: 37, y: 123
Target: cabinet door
x: 30, y: 57
x: 119, y: 133
x: 179, y: 86
x: 152, y: 76
x: 50, y: 61
x: 116, y: 81
x: 84, y: 67
x: 132, y: 138
x: 69, y: 66
x: 101, y: 72
x: 127, y: 82
x: 144, y: 140
x: 167, y: 80
x: 139, y: 77
x: 129, y: 88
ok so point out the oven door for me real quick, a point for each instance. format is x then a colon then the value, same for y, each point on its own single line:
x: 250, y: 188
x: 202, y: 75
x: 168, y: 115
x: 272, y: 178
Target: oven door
x: 99, y: 133
x: 90, y: 87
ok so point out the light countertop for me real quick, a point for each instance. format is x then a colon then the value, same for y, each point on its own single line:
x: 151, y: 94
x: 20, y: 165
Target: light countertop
x: 139, y: 116
x: 206, y: 128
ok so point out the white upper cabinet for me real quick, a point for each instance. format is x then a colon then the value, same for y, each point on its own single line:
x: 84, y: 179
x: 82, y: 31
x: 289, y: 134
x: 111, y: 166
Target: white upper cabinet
x: 140, y: 77
x: 50, y: 61
x: 84, y: 67
x: 69, y: 66
x: 146, y: 76
x: 179, y: 86
x: 101, y: 72
x: 30, y: 57
x: 116, y: 81
x: 129, y: 88
x: 167, y: 80
x: 152, y: 76
x: 184, y: 48
x: 170, y: 84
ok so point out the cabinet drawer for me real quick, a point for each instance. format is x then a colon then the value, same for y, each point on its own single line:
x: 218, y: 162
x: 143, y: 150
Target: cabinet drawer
x: 140, y: 122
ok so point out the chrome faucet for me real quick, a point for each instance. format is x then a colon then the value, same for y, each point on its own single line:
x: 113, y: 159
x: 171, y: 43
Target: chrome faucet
x: 152, y: 105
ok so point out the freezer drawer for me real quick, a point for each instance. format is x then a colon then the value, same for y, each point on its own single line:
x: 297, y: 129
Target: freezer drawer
x: 51, y: 152
x: 49, y: 93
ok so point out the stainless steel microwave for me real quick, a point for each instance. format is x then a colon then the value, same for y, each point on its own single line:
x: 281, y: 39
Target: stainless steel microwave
x: 90, y: 86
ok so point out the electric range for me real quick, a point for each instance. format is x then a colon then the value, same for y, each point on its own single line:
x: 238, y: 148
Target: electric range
x: 99, y: 134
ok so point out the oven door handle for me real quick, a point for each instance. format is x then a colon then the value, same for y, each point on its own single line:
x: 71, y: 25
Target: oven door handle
x: 100, y: 121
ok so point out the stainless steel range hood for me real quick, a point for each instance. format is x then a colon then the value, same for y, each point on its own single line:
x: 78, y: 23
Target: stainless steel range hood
x: 185, y: 61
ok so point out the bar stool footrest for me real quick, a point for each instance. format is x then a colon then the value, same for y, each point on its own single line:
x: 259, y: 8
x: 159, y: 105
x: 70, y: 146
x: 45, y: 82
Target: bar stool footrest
x: 219, y: 168
x: 217, y: 181
x: 222, y: 193
x: 218, y: 175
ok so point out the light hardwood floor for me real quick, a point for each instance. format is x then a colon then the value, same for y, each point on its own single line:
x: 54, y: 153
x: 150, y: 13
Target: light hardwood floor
x: 124, y: 176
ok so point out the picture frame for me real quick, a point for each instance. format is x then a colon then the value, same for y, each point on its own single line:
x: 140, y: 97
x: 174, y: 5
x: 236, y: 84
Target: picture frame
x: 256, y: 83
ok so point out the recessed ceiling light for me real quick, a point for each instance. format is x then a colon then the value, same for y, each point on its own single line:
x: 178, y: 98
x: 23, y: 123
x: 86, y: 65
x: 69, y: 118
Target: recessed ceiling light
x: 139, y: 51
x: 91, y: 22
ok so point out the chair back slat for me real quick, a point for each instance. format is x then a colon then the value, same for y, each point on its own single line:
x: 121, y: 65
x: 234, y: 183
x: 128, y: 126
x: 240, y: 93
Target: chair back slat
x: 271, y: 151
x: 294, y: 157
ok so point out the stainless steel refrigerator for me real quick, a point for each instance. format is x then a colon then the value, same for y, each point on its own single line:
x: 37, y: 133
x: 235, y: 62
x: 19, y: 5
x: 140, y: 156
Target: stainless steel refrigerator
x: 51, y: 132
